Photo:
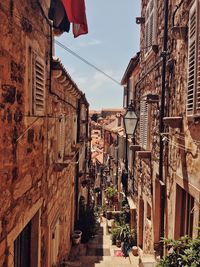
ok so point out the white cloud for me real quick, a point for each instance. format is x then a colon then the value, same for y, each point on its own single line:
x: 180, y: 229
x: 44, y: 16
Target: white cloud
x: 93, y: 42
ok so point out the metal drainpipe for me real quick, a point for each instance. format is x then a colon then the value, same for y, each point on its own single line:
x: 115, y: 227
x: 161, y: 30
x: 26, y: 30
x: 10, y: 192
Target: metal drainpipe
x: 77, y: 165
x: 162, y: 112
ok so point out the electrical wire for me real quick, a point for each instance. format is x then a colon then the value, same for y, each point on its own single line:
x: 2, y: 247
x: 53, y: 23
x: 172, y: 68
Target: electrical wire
x: 86, y: 61
x: 178, y: 145
x: 64, y: 46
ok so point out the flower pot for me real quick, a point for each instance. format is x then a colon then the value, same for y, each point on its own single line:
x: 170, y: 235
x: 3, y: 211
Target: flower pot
x: 76, y: 239
x: 118, y: 243
x: 77, y: 232
x: 135, y: 251
x: 115, y: 199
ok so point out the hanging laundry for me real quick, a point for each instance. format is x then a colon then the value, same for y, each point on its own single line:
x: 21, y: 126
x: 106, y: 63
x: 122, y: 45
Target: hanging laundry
x: 76, y: 14
x: 58, y: 15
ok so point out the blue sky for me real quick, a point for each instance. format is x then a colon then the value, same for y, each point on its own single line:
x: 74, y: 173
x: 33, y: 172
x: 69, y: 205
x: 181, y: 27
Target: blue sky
x: 112, y: 40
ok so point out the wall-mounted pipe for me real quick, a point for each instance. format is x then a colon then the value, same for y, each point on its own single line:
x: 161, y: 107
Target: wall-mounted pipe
x: 162, y: 113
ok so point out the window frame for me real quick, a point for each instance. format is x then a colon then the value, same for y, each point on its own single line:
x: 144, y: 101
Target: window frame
x: 60, y: 130
x: 150, y: 26
x: 193, y: 71
x: 145, y: 122
x: 38, y: 90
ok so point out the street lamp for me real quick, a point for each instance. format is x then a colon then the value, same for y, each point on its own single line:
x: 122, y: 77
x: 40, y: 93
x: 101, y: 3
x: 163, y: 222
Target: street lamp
x: 130, y: 124
x: 130, y: 120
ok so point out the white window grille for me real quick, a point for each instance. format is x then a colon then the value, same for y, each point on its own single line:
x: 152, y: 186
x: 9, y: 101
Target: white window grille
x: 38, y: 85
x: 193, y: 87
x: 150, y: 25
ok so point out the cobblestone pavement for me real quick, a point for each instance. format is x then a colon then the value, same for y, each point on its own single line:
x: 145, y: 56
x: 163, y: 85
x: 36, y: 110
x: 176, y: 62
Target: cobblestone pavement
x: 101, y: 253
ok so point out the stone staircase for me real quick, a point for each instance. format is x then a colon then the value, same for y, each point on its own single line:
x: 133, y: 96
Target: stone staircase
x: 99, y: 252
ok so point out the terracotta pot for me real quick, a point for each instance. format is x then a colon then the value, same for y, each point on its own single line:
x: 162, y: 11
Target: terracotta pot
x: 118, y: 243
x: 76, y: 239
x: 135, y: 251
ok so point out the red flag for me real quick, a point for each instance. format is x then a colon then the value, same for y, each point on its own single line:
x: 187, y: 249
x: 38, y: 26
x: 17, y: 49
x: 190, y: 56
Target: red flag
x: 75, y: 10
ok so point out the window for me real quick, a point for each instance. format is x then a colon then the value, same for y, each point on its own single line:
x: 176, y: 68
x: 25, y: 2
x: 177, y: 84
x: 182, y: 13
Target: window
x: 55, y: 241
x: 193, y: 87
x: 130, y: 90
x: 37, y: 83
x: 22, y: 248
x: 184, y: 213
x: 150, y: 25
x: 125, y: 98
x: 60, y: 138
x: 144, y: 124
x: 74, y: 137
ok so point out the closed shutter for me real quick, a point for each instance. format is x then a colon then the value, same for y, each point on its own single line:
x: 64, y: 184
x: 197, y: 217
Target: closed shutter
x: 147, y: 30
x: 61, y: 137
x: 191, y: 59
x: 125, y: 98
x: 38, y: 87
x: 150, y: 25
x: 130, y: 90
x: 198, y: 62
x: 144, y: 124
x: 74, y: 129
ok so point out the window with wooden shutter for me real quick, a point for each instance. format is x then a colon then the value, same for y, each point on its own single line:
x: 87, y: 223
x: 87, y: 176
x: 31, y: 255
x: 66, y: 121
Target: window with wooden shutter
x: 150, y: 25
x: 125, y: 98
x: 60, y: 138
x: 130, y: 90
x: 74, y: 137
x: 38, y: 84
x: 193, y: 87
x: 144, y: 124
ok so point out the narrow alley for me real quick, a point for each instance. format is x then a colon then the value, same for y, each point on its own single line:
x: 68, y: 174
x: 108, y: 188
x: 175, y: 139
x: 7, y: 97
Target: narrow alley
x: 99, y: 133
x: 100, y: 252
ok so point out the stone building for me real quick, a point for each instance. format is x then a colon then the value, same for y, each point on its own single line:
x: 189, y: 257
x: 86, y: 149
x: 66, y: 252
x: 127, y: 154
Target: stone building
x: 166, y: 156
x: 43, y: 141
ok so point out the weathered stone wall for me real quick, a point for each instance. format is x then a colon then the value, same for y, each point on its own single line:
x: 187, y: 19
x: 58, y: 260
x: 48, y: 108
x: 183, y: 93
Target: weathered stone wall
x: 33, y: 183
x: 22, y: 146
x: 181, y: 146
x: 183, y: 153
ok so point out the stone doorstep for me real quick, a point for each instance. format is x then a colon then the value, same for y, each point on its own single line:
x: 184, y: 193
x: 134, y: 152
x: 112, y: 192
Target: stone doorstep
x: 71, y: 264
x: 147, y: 261
x: 133, y: 259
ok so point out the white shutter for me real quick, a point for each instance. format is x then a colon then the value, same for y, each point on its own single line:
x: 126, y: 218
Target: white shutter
x: 150, y: 25
x: 198, y: 61
x: 38, y: 88
x: 74, y: 137
x: 191, y: 59
x: 125, y: 98
x: 130, y: 89
x: 144, y: 124
x: 61, y: 137
x: 147, y: 30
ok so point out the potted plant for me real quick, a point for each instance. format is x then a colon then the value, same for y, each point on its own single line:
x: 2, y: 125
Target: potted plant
x: 111, y: 194
x: 76, y: 238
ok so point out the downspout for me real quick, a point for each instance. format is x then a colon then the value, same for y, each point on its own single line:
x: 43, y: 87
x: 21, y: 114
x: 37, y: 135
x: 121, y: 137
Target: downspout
x: 162, y: 113
x: 77, y: 160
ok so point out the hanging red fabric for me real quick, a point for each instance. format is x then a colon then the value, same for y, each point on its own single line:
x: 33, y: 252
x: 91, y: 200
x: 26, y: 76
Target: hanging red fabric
x: 75, y: 10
